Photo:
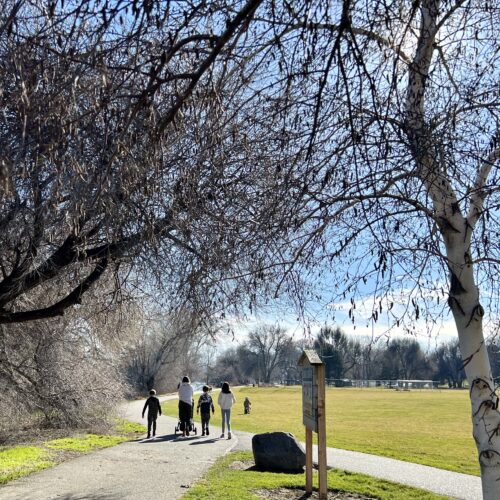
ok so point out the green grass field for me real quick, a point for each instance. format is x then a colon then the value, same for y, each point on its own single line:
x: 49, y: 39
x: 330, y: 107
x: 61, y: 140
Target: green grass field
x: 427, y: 427
x: 224, y: 481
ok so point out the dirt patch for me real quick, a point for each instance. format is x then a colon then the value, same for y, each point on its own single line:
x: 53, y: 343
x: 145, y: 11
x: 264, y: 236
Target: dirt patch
x: 239, y: 465
x: 33, y: 435
x: 299, y: 494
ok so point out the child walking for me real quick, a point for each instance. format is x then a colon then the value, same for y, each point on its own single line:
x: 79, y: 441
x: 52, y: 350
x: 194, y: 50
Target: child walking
x: 154, y: 408
x: 205, y: 403
x: 226, y: 400
x: 246, y: 406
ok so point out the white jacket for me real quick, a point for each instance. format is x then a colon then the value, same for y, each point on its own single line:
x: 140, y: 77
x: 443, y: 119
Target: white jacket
x: 226, y: 400
x: 186, y: 393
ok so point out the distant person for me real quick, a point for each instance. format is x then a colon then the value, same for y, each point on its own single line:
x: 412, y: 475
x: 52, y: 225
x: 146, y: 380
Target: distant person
x: 226, y: 400
x: 186, y: 402
x: 205, y: 404
x: 154, y: 409
x: 246, y: 406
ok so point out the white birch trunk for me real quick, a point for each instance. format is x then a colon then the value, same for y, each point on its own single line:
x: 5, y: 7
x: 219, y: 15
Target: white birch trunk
x: 468, y: 314
x: 456, y: 231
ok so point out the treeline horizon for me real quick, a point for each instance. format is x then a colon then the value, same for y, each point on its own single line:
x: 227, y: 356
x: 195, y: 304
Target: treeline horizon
x: 270, y: 355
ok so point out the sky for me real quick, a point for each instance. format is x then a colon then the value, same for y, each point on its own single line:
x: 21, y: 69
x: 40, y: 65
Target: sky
x: 429, y: 336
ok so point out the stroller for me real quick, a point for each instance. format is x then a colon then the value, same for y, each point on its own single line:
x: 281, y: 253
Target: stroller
x: 191, y: 425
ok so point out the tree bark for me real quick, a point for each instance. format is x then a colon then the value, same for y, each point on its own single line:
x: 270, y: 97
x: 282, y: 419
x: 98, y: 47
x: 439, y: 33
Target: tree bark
x: 468, y: 314
x: 456, y: 231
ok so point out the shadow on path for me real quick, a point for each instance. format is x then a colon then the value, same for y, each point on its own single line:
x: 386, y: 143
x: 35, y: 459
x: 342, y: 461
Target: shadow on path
x: 93, y: 496
x: 205, y: 441
x: 157, y: 439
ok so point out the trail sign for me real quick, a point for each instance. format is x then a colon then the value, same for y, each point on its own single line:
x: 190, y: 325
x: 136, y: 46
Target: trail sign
x: 313, y: 416
x: 309, y: 398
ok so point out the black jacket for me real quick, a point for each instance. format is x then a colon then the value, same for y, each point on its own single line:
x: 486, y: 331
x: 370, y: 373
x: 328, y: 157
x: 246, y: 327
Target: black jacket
x: 153, y: 405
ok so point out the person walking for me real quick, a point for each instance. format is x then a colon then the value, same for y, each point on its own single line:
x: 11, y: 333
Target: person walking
x: 186, y: 402
x: 246, y: 406
x: 205, y: 404
x: 226, y: 400
x: 154, y: 408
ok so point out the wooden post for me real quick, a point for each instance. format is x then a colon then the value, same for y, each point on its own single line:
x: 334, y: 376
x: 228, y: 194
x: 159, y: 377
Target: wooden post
x: 323, y: 488
x: 309, y: 461
x: 314, y: 417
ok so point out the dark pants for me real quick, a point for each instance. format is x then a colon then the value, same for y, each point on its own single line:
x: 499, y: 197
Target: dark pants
x: 185, y: 415
x: 205, y: 420
x: 152, y: 422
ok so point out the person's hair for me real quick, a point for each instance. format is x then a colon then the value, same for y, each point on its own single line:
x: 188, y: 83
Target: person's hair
x: 152, y: 392
x: 206, y: 388
x: 225, y: 388
x: 185, y: 379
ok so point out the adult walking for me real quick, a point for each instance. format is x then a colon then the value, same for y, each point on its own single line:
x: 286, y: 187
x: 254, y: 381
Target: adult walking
x: 186, y: 401
x: 226, y: 400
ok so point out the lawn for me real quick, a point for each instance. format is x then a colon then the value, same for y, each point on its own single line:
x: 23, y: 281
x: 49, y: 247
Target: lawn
x: 224, y: 480
x: 22, y: 460
x: 18, y: 461
x: 427, y: 427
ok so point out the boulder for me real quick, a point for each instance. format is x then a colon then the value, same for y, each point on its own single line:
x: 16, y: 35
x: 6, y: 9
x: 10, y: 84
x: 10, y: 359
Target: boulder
x: 278, y: 451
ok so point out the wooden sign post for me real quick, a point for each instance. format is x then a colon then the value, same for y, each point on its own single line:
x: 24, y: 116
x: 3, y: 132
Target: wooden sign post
x: 313, y: 416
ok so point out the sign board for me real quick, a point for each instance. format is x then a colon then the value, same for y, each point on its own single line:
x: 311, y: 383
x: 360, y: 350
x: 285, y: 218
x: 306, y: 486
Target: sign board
x: 309, y: 398
x: 309, y: 362
x: 313, y: 417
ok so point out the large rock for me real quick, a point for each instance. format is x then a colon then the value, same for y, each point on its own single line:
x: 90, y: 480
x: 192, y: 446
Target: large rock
x: 278, y: 451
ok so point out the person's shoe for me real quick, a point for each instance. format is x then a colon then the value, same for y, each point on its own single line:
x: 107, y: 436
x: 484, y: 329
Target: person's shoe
x: 154, y: 434
x: 183, y: 433
x: 222, y: 435
x: 208, y: 433
x: 149, y: 435
x: 187, y: 433
x: 203, y: 433
x: 229, y: 435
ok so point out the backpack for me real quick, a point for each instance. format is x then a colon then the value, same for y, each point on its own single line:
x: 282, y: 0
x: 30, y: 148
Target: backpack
x: 205, y: 403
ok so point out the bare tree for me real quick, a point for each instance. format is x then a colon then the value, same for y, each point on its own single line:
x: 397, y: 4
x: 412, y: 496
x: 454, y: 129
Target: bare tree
x: 62, y: 373
x: 340, y: 353
x: 105, y: 159
x: 228, y: 368
x: 165, y: 348
x: 269, y: 344
x: 449, y: 364
x: 404, y: 358
x: 388, y: 113
x: 363, y: 134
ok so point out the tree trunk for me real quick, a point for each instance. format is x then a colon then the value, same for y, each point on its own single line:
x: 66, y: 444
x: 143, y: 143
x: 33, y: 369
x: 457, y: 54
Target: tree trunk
x: 468, y: 314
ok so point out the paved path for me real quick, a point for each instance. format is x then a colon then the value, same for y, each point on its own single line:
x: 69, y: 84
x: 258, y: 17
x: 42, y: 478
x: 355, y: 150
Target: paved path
x: 146, y: 469
x: 166, y: 466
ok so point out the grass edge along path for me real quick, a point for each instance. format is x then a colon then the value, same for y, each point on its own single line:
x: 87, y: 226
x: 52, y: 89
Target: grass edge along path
x: 222, y: 481
x: 431, y: 428
x: 19, y: 461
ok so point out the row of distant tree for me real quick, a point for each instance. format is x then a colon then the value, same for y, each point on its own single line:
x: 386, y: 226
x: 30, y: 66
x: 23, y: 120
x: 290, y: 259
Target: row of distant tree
x: 270, y: 355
